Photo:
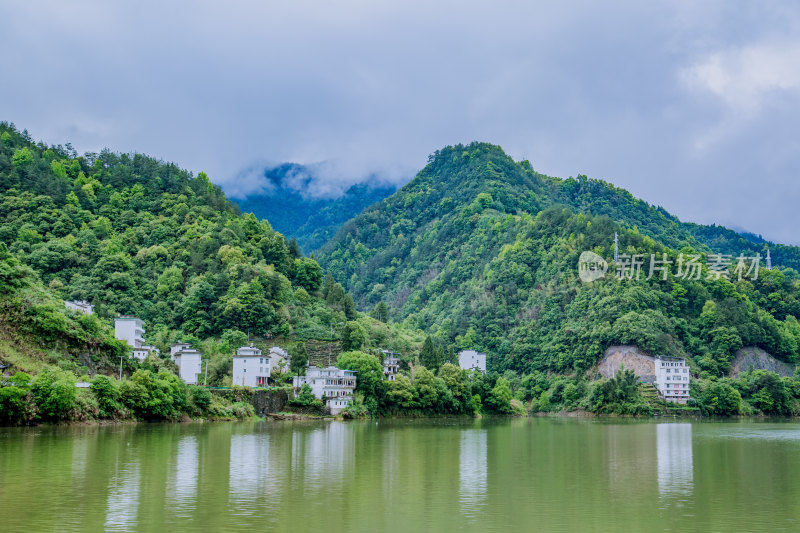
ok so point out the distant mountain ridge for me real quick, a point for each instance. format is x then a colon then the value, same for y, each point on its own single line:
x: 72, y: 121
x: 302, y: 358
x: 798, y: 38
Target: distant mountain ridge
x: 296, y: 210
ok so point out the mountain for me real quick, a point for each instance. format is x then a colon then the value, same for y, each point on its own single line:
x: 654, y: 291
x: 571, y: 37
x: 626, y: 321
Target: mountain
x: 296, y: 210
x: 135, y: 235
x: 482, y: 252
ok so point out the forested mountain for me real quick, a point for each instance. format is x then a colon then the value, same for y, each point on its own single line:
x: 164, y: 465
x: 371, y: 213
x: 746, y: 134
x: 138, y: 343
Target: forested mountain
x: 134, y: 235
x: 482, y: 252
x: 296, y: 210
x: 478, y: 250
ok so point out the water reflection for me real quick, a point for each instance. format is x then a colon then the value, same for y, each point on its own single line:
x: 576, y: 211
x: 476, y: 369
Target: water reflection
x: 123, y: 497
x: 248, y: 467
x: 80, y: 458
x: 322, y: 455
x: 403, y: 476
x: 472, y: 471
x: 675, y: 467
x: 182, y: 484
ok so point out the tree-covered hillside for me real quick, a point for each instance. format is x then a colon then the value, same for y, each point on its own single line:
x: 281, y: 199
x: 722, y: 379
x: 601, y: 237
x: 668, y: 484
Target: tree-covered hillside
x: 482, y: 252
x: 36, y: 329
x: 295, y: 209
x: 134, y: 235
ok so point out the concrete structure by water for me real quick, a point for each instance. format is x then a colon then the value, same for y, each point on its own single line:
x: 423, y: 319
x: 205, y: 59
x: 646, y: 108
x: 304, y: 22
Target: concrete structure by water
x: 333, y: 385
x: 279, y: 359
x: 189, y: 362
x: 391, y: 364
x: 131, y: 330
x: 250, y: 367
x: 672, y: 379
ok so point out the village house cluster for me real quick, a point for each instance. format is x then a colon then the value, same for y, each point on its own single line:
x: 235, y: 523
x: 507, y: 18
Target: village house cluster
x: 253, y: 368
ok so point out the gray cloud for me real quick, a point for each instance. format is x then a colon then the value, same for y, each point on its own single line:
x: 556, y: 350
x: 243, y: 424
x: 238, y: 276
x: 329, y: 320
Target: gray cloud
x: 693, y: 106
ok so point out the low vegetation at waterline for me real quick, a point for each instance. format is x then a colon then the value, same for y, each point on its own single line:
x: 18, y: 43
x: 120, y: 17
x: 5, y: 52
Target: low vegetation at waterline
x: 52, y: 396
x: 450, y: 390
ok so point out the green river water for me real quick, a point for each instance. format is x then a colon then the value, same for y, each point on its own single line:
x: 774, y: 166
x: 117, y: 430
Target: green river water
x: 404, y: 475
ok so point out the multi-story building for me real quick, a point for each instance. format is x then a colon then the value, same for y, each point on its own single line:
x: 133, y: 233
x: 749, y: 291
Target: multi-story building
x: 391, y: 364
x: 131, y: 330
x: 189, y: 362
x: 672, y: 379
x: 333, y: 385
x: 472, y: 360
x: 250, y: 367
x: 80, y: 305
x: 279, y: 359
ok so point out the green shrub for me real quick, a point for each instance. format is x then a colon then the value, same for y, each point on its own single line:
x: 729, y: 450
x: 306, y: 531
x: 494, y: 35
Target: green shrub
x: 499, y: 399
x: 54, y: 392
x: 154, y: 396
x: 720, y: 399
x: 86, y: 406
x: 305, y: 398
x: 242, y: 410
x: 200, y: 397
x: 17, y: 405
x: 106, y: 391
x: 356, y: 409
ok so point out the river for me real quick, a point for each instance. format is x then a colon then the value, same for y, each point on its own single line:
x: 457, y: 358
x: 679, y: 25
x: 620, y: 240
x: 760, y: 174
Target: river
x: 538, y: 474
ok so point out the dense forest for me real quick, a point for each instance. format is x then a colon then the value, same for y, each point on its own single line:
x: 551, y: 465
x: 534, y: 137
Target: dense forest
x: 478, y: 251
x: 137, y: 236
x: 134, y: 235
x: 482, y: 252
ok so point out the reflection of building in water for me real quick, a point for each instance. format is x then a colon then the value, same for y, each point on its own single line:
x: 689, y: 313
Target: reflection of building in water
x: 675, y: 468
x: 472, y: 470
x: 249, y: 466
x: 390, y: 461
x: 322, y: 456
x: 182, y: 484
x: 123, y: 498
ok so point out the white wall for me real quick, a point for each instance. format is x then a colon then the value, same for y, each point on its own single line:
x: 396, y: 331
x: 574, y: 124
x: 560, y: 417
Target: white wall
x: 247, y: 370
x: 189, y: 366
x: 674, y: 373
x: 472, y: 360
x: 129, y: 330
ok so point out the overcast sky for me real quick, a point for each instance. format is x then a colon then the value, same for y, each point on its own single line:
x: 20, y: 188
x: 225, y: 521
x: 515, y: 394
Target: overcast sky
x: 691, y: 105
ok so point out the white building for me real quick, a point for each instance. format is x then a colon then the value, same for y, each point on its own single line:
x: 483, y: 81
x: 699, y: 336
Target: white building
x: 189, y: 361
x: 250, y: 367
x: 472, y: 360
x: 131, y: 330
x: 391, y: 364
x: 178, y: 347
x: 80, y: 305
x: 672, y: 379
x: 334, y: 386
x: 279, y: 359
